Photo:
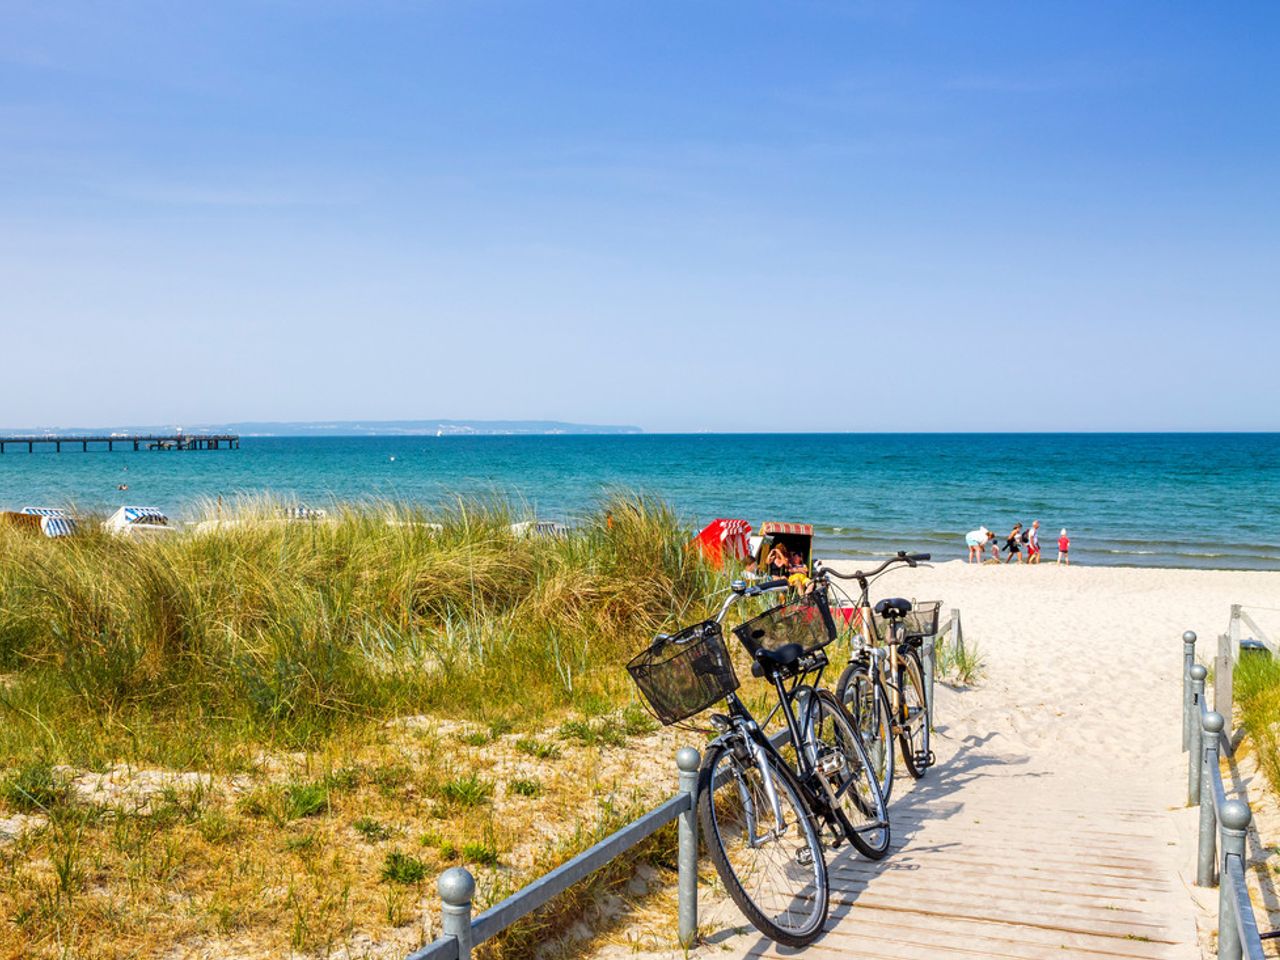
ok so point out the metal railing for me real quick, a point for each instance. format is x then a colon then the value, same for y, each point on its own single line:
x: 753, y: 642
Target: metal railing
x: 461, y: 932
x: 1224, y: 824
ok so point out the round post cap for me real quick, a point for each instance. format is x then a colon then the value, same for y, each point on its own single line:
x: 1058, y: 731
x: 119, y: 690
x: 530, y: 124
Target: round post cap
x: 456, y: 886
x: 1213, y: 722
x: 687, y: 759
x: 1235, y: 815
x: 1198, y: 672
x: 1189, y: 637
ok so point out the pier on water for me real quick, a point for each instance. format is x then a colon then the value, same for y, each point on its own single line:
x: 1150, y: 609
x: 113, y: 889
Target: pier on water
x: 175, y: 441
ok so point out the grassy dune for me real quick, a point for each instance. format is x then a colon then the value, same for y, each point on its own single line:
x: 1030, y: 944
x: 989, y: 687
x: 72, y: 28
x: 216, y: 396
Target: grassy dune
x: 274, y: 735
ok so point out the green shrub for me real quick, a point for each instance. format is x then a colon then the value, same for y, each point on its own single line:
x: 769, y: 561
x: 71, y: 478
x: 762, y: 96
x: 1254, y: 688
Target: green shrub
x: 305, y: 800
x: 480, y: 853
x: 526, y: 788
x: 371, y: 829
x: 34, y: 787
x: 402, y: 868
x: 468, y: 791
x: 536, y: 748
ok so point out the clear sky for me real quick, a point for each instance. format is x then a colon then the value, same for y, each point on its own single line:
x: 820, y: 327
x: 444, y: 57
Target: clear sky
x: 692, y: 215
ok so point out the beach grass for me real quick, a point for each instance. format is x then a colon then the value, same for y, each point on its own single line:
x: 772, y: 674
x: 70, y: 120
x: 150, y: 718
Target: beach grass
x: 1256, y: 691
x: 274, y: 734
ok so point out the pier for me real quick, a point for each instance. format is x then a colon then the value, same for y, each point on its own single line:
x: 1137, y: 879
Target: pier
x: 175, y: 441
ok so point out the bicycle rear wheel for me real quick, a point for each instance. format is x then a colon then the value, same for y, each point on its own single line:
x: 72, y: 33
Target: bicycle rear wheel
x: 770, y: 859
x: 913, y: 716
x: 843, y: 768
x: 861, y: 693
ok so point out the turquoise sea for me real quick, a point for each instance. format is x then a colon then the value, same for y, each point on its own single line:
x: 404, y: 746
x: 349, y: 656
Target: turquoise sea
x: 1197, y: 500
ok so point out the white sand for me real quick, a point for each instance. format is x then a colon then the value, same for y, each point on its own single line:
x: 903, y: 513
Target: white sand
x: 1055, y: 822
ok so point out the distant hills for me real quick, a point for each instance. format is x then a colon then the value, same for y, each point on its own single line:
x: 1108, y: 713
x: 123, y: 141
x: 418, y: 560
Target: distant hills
x: 350, y: 428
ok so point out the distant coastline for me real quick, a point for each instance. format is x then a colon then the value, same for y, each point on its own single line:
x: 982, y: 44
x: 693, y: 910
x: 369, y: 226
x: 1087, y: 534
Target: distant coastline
x: 355, y: 428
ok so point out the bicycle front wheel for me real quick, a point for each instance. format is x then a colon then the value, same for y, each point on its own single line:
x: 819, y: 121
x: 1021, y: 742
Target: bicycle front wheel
x: 842, y: 767
x: 763, y: 841
x: 864, y: 697
x: 913, y: 718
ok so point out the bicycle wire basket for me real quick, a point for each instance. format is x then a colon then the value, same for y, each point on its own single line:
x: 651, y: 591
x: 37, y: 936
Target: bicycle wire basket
x: 805, y: 620
x: 685, y: 673
x: 921, y: 622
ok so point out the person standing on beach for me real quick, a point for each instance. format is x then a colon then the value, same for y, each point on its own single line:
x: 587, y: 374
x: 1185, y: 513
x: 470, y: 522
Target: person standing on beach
x: 994, y: 542
x: 1064, y: 545
x: 1012, y: 544
x: 976, y: 541
x: 1033, y: 542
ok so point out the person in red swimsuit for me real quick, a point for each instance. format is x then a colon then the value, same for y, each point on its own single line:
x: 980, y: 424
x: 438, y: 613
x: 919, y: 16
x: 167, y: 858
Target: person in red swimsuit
x: 1064, y: 546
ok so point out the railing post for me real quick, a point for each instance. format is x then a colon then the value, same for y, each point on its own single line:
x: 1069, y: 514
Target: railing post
x: 1223, y: 682
x: 1195, y: 755
x: 687, y: 761
x: 1233, y: 632
x: 957, y: 633
x: 1235, y: 820
x: 1206, y: 854
x: 457, y: 887
x: 928, y: 650
x: 1188, y: 658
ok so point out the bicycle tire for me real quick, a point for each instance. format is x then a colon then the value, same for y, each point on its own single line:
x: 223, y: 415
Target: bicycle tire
x: 843, y: 769
x: 795, y: 915
x: 914, y: 716
x: 862, y: 694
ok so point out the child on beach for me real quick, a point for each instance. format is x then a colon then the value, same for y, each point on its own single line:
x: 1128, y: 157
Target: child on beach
x: 1064, y: 545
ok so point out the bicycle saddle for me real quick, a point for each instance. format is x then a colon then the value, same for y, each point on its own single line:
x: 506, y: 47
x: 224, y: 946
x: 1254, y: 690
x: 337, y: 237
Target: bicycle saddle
x: 784, y: 656
x: 893, y: 607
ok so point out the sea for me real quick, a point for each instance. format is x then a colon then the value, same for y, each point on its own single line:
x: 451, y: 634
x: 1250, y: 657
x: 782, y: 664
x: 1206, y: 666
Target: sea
x: 1183, y: 500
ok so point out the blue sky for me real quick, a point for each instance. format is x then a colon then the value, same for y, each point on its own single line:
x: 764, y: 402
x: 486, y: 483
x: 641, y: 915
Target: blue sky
x: 694, y: 215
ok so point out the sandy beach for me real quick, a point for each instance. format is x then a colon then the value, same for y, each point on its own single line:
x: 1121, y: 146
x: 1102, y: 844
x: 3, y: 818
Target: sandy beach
x: 1068, y: 746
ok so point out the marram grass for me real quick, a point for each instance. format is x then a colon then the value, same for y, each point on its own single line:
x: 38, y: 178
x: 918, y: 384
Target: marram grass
x: 184, y: 650
x: 355, y: 703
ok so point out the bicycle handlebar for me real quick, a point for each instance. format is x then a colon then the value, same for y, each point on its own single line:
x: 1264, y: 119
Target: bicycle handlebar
x: 910, y: 559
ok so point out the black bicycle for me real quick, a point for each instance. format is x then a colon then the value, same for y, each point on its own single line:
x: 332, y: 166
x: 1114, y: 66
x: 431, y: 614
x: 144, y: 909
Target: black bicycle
x: 883, y: 686
x: 764, y: 816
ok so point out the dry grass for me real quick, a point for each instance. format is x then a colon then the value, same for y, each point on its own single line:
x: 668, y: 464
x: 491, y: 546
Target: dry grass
x: 269, y: 738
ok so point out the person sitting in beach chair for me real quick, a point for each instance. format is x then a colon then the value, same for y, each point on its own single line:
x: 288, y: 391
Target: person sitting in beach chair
x: 798, y: 574
x: 779, y: 561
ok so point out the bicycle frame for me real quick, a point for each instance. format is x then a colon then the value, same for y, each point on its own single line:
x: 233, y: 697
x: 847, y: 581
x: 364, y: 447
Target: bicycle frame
x: 741, y: 723
x: 885, y: 663
x: 872, y: 637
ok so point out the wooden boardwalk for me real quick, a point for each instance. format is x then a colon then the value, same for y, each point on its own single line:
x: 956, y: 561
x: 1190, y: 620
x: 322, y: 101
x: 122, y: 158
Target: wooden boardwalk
x: 1055, y: 822
x: 982, y: 866
x: 1049, y: 828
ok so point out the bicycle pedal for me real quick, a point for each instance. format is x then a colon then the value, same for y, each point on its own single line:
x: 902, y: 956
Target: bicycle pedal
x: 925, y: 759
